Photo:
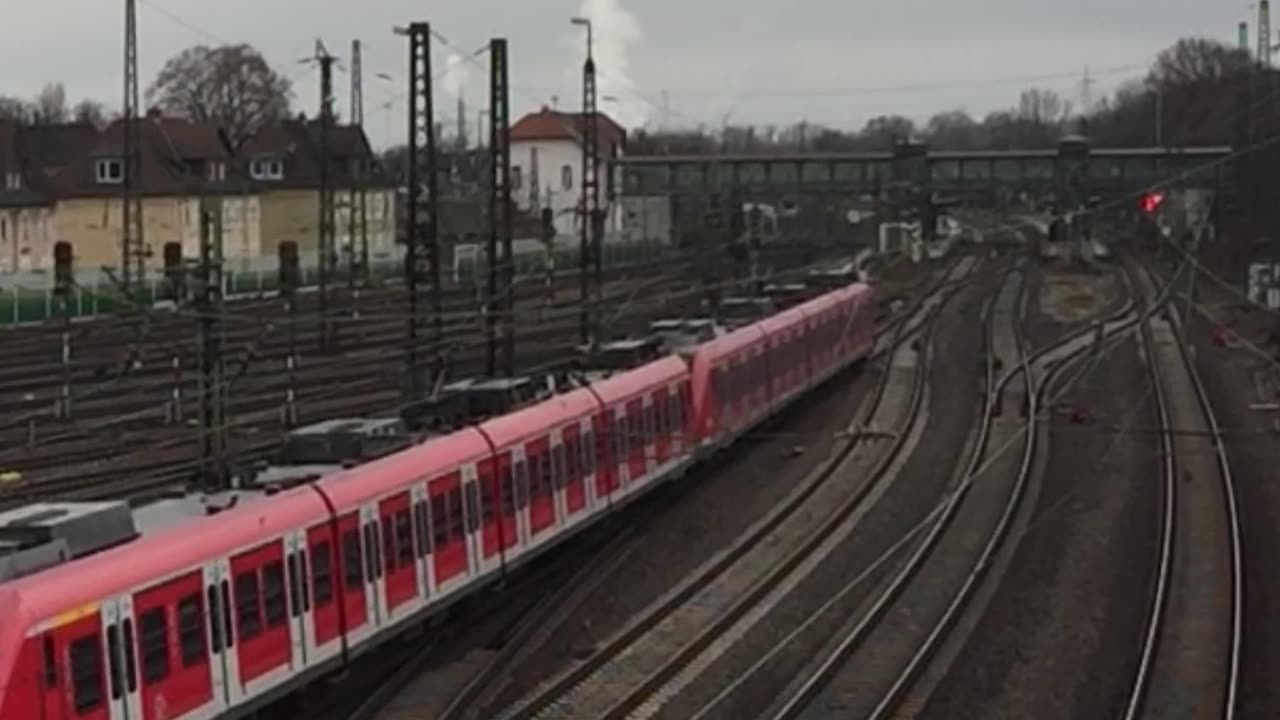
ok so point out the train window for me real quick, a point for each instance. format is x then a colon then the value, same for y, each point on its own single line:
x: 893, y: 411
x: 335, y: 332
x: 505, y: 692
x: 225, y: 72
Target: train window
x: 322, y: 577
x: 228, y: 631
x: 572, y: 454
x: 486, y: 500
x: 50, y: 663
x: 191, y: 631
x: 113, y: 660
x: 215, y: 626
x: 302, y: 580
x: 352, y: 572
x: 420, y: 527
x: 154, y: 625
x: 473, y: 505
x: 545, y: 472
x: 404, y: 538
x: 86, y: 673
x: 130, y: 659
x: 515, y: 485
x: 559, y: 474
x: 389, y: 544
x: 588, y: 452
x: 273, y: 599
x: 295, y: 588
x: 248, y: 613
x: 439, y: 521
x: 455, y: 513
x: 372, y: 552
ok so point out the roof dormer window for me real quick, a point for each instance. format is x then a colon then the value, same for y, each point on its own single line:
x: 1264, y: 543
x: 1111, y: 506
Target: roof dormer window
x: 110, y: 171
x: 12, y: 181
x: 267, y: 168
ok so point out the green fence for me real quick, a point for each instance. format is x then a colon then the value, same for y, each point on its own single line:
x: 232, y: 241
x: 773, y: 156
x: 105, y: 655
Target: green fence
x: 29, y: 298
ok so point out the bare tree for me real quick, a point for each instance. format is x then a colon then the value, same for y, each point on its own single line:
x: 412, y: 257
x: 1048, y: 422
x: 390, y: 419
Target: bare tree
x: 51, y: 105
x: 954, y: 130
x: 12, y: 108
x: 90, y: 112
x: 880, y: 133
x: 232, y: 85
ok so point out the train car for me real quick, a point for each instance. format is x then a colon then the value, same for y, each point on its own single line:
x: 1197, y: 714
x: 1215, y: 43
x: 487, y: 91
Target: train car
x: 730, y: 386
x: 206, y: 616
x: 538, y: 453
x: 642, y: 427
x: 186, y: 622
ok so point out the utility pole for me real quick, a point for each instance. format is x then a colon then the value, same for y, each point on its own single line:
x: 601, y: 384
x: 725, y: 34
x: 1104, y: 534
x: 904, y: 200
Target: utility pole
x: 422, y: 255
x: 326, y: 223
x: 357, y: 201
x: 1264, y: 34
x: 590, y: 152
x: 500, y: 213
x: 132, y: 246
x: 212, y: 379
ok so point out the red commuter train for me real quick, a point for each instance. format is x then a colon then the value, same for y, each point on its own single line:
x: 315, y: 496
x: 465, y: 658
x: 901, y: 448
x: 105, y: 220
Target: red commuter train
x: 214, y: 616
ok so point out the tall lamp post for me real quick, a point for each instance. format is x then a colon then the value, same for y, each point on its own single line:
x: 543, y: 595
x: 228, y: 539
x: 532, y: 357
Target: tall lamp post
x: 589, y: 239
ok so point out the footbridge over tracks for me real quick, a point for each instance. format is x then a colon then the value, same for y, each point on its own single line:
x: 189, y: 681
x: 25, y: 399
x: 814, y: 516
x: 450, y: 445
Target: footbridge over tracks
x: 1070, y: 173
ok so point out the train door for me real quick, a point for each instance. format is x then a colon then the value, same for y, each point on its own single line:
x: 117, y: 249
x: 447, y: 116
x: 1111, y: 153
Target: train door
x: 120, y: 639
x: 224, y: 664
x: 587, y: 461
x: 484, y: 554
x: 375, y: 598
x: 606, y: 479
x: 422, y: 539
x: 513, y: 476
x: 302, y: 631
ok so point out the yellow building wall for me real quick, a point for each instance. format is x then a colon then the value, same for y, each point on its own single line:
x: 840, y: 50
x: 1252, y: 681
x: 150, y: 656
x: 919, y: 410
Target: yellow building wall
x: 93, y: 226
x: 289, y: 215
x: 294, y: 215
x: 26, y: 238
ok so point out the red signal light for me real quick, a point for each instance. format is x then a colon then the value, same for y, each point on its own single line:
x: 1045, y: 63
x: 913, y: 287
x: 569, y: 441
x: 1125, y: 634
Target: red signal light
x: 1151, y: 202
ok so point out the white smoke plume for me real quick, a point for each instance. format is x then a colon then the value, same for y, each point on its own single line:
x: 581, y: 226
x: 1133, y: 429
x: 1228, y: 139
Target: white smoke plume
x: 615, y: 30
x: 456, y: 74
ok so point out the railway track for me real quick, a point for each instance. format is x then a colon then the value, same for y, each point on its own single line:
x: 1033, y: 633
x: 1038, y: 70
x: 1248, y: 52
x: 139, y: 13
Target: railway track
x: 111, y: 464
x: 438, y: 694
x: 1190, y: 660
x: 654, y: 647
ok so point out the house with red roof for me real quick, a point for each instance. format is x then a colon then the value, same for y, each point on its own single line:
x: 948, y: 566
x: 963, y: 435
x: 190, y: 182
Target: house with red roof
x: 546, y: 165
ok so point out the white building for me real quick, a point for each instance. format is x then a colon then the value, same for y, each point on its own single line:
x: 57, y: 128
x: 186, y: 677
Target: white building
x: 546, y: 166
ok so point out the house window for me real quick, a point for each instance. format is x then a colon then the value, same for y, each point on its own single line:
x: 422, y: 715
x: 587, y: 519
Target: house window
x: 110, y: 171
x: 12, y: 181
x: 217, y: 171
x: 515, y: 177
x: 566, y: 177
x: 358, y: 168
x: 267, y: 169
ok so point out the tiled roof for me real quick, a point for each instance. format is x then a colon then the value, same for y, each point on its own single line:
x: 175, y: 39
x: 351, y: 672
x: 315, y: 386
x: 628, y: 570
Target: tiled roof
x: 548, y: 124
x: 297, y: 144
x: 175, y: 156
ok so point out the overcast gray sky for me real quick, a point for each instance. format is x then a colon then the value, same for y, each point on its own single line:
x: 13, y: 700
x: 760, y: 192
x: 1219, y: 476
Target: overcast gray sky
x: 835, y: 62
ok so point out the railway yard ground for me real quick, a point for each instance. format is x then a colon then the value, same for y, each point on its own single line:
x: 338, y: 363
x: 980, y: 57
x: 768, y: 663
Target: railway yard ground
x: 133, y: 382
x: 1047, y: 493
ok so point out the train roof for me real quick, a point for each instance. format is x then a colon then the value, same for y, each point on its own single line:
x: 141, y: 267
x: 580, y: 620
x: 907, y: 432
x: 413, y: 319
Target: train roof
x: 657, y: 372
x: 71, y: 590
x: 521, y: 424
x: 424, y: 461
